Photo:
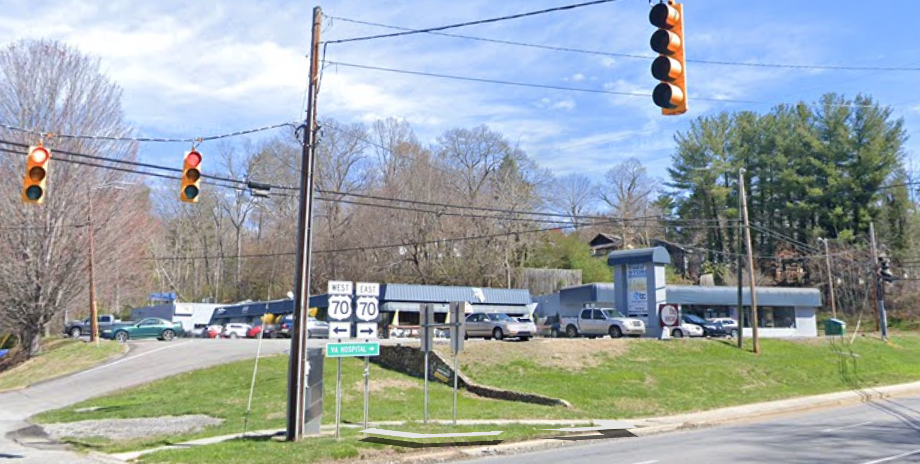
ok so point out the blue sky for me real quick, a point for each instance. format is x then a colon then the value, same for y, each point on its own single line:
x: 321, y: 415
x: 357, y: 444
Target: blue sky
x: 192, y: 69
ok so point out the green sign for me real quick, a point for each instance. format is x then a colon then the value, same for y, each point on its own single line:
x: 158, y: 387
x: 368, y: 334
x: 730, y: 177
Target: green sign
x: 340, y: 350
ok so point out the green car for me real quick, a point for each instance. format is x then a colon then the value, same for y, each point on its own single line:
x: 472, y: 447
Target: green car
x: 148, y: 328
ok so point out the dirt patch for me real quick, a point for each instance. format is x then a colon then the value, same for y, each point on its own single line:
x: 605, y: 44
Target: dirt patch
x: 127, y: 429
x: 376, y: 386
x: 565, y: 354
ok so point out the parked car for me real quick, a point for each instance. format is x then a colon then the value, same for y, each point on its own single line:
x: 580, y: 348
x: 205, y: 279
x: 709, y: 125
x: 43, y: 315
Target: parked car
x: 710, y: 329
x: 315, y: 328
x: 254, y: 331
x: 76, y: 329
x: 214, y: 331
x: 593, y: 322
x: 199, y: 331
x: 730, y: 325
x: 498, y: 326
x: 147, y: 328
x: 529, y: 322
x: 686, y: 330
x: 235, y: 330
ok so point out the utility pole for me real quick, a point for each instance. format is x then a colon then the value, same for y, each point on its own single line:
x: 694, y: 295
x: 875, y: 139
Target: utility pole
x: 830, y: 278
x: 880, y: 317
x: 750, y: 253
x: 299, y: 367
x: 739, y: 265
x: 93, y: 313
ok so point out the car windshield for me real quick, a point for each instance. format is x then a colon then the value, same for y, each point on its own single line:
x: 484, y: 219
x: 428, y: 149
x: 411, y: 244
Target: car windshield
x: 695, y: 319
x: 611, y: 313
x: 501, y: 317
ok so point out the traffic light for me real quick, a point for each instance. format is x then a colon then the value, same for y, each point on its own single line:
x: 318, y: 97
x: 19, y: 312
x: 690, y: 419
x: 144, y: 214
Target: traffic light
x: 191, y: 177
x: 37, y: 163
x: 885, y: 270
x: 670, y: 67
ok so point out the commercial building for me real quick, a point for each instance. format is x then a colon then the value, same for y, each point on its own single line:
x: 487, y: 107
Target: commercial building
x: 782, y: 312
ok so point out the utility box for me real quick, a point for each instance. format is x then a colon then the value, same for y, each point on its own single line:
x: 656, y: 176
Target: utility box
x: 835, y: 327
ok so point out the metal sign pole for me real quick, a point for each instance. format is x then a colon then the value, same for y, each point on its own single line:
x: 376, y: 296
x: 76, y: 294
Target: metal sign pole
x: 338, y: 397
x: 456, y: 377
x: 426, y: 387
x: 367, y: 394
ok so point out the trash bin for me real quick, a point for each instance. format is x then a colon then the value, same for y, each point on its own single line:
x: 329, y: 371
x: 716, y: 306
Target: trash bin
x: 835, y: 327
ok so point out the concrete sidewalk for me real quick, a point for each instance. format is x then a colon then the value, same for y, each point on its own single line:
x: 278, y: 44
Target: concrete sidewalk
x: 644, y: 427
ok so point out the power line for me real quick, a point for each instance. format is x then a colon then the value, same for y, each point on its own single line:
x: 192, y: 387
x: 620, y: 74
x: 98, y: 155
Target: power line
x: 147, y: 139
x: 628, y: 55
x: 521, y: 84
x: 472, y: 23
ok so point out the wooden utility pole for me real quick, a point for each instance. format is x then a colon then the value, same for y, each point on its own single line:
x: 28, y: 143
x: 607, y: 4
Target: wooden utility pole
x: 299, y: 367
x: 93, y: 312
x: 830, y: 278
x: 750, y: 253
x: 881, y: 319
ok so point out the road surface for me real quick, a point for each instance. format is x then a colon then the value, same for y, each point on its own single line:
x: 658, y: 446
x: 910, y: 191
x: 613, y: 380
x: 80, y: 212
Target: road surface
x: 148, y: 360
x: 873, y: 433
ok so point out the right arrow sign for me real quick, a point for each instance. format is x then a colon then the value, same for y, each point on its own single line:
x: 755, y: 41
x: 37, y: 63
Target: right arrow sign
x: 367, y: 330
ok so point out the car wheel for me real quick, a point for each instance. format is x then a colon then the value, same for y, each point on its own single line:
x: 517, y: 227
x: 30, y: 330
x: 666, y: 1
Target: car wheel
x: 615, y: 332
x: 498, y: 334
x: 677, y: 333
x: 734, y: 333
x: 168, y: 335
x: 76, y: 332
x: 571, y: 331
x: 233, y: 335
x: 554, y: 333
x: 122, y: 336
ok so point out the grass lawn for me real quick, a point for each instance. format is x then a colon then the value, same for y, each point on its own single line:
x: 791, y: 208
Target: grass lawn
x: 61, y: 357
x: 641, y: 378
x: 264, y: 451
x: 604, y: 378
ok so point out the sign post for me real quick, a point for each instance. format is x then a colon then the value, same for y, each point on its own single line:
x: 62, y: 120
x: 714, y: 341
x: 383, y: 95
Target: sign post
x: 367, y: 311
x: 340, y: 311
x: 458, y: 310
x: 427, y: 321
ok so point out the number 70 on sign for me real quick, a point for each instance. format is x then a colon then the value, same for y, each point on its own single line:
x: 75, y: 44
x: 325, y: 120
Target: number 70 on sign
x: 367, y: 308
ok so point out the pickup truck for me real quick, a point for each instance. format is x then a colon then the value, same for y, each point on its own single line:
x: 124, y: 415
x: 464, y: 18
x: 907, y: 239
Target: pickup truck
x: 593, y: 322
x: 78, y: 328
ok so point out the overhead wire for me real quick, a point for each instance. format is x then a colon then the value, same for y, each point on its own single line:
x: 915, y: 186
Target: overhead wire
x: 472, y: 23
x: 146, y: 139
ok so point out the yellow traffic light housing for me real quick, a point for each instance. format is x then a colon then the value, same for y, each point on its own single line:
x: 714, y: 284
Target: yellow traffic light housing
x: 191, y: 177
x: 33, y: 185
x: 671, y: 65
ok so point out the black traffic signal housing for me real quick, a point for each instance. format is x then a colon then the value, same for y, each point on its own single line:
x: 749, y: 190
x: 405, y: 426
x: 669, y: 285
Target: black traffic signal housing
x: 191, y: 177
x: 885, y: 270
x: 36, y: 177
x: 671, y: 65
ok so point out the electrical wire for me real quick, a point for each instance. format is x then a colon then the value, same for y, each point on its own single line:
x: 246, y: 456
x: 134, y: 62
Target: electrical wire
x: 627, y: 55
x: 472, y: 23
x: 522, y: 84
x: 147, y: 139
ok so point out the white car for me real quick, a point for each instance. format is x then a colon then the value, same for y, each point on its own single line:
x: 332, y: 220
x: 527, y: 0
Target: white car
x: 235, y: 330
x: 730, y: 325
x: 686, y: 330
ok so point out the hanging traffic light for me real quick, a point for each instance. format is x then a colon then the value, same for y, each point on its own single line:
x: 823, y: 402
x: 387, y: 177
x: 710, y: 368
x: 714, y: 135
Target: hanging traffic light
x: 37, y: 163
x: 671, y: 66
x: 191, y: 177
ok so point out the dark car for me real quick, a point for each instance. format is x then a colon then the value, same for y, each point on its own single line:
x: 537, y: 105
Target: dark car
x: 710, y: 329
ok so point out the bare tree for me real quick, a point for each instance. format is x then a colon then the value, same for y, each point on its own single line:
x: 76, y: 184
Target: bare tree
x: 47, y: 86
x: 629, y: 191
x: 572, y: 195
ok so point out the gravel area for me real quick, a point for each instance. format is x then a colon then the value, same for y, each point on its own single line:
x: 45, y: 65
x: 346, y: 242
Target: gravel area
x: 126, y: 429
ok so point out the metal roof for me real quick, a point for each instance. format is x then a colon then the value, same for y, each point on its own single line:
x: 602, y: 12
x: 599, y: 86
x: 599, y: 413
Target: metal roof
x: 728, y: 296
x: 258, y: 308
x: 443, y: 294
x: 587, y: 292
x: 657, y: 255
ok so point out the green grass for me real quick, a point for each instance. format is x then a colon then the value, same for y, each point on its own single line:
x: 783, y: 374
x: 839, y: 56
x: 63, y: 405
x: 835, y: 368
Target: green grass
x: 602, y: 378
x: 265, y: 451
x: 60, y: 357
x: 653, y: 378
x: 223, y: 392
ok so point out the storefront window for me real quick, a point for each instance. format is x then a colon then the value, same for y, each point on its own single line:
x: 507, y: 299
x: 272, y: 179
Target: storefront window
x: 780, y: 317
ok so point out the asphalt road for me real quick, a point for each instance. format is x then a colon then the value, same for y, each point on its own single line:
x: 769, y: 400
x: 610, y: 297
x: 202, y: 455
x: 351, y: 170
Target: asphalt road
x: 147, y: 360
x: 872, y: 433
